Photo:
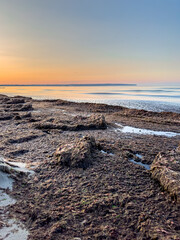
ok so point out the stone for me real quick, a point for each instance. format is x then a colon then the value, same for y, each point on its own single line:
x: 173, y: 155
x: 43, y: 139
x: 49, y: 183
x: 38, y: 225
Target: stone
x: 78, y: 154
x: 166, y: 169
x: 94, y: 122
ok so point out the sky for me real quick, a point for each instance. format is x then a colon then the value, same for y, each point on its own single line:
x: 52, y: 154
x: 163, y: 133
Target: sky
x: 89, y: 41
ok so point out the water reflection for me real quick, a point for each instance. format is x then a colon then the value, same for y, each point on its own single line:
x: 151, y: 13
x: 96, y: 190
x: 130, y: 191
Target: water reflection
x: 141, y: 97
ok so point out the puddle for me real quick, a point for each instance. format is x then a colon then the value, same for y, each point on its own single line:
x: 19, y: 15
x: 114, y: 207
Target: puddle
x: 6, y: 200
x: 5, y: 181
x: 139, y: 155
x: 127, y: 129
x: 146, y: 166
x: 12, y: 229
x: 111, y: 154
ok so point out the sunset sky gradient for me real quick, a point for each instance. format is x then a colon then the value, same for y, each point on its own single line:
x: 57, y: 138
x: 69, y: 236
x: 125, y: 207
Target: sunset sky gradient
x: 83, y: 41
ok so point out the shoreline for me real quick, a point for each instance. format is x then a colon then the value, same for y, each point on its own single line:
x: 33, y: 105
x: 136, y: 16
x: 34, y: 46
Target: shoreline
x: 110, y: 195
x: 150, y: 98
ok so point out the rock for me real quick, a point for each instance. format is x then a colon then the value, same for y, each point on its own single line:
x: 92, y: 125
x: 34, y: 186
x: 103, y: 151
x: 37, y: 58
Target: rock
x: 17, y: 107
x: 22, y: 116
x: 5, y: 116
x: 26, y: 107
x: 15, y: 100
x: 92, y: 123
x: 166, y: 169
x: 97, y: 122
x: 18, y: 152
x: 178, y: 149
x: 77, y: 154
x: 22, y: 139
x: 154, y: 230
x: 26, y: 115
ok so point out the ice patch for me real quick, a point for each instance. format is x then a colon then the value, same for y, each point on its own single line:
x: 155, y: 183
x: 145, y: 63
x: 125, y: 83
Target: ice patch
x: 6, y: 200
x: 146, y: 166
x: 128, y: 129
x: 111, y: 154
x: 13, y: 231
x: 20, y: 167
x: 5, y: 181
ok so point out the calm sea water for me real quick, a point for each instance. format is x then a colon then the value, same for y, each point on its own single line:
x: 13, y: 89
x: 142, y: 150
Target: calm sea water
x: 153, y: 98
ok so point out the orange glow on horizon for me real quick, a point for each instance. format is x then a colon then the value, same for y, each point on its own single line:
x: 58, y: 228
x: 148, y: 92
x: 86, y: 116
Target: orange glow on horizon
x: 13, y: 71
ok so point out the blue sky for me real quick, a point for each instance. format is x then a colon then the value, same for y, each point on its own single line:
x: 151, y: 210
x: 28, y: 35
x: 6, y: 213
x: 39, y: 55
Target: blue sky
x: 89, y: 41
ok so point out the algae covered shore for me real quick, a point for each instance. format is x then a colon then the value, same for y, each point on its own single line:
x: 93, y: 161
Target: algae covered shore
x: 99, y: 171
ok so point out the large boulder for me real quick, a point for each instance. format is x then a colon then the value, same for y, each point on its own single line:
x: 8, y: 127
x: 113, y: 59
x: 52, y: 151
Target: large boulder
x: 166, y: 169
x: 78, y: 154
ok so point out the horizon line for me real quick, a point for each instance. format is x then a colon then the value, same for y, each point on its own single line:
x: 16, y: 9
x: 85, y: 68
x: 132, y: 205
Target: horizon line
x: 67, y: 85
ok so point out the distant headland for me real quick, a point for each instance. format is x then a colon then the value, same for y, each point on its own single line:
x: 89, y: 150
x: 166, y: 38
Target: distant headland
x: 67, y: 85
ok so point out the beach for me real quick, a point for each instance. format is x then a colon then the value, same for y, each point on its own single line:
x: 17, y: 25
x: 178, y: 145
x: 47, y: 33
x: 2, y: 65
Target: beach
x: 97, y: 171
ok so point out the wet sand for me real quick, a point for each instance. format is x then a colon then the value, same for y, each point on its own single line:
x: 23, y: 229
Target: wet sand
x: 113, y: 195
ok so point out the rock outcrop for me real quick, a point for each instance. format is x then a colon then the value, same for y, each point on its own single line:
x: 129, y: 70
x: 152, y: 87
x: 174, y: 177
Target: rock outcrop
x: 166, y: 169
x: 78, y: 154
x: 94, y: 122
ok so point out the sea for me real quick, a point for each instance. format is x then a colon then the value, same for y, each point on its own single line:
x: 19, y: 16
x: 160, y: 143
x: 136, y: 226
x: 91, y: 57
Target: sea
x: 157, y: 98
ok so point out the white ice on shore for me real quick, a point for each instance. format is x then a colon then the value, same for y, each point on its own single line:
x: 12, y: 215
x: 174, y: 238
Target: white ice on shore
x: 5, y: 181
x: 20, y: 167
x: 111, y: 154
x: 128, y: 129
x: 12, y: 229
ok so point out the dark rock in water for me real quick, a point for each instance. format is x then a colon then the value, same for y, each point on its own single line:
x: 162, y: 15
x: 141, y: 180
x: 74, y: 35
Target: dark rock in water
x: 92, y: 123
x: 77, y: 154
x: 166, y: 169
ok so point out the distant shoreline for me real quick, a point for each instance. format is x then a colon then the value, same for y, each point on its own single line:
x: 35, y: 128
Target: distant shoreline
x: 66, y: 85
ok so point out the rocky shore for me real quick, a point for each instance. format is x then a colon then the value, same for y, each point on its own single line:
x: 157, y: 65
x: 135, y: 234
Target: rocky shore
x: 100, y: 171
